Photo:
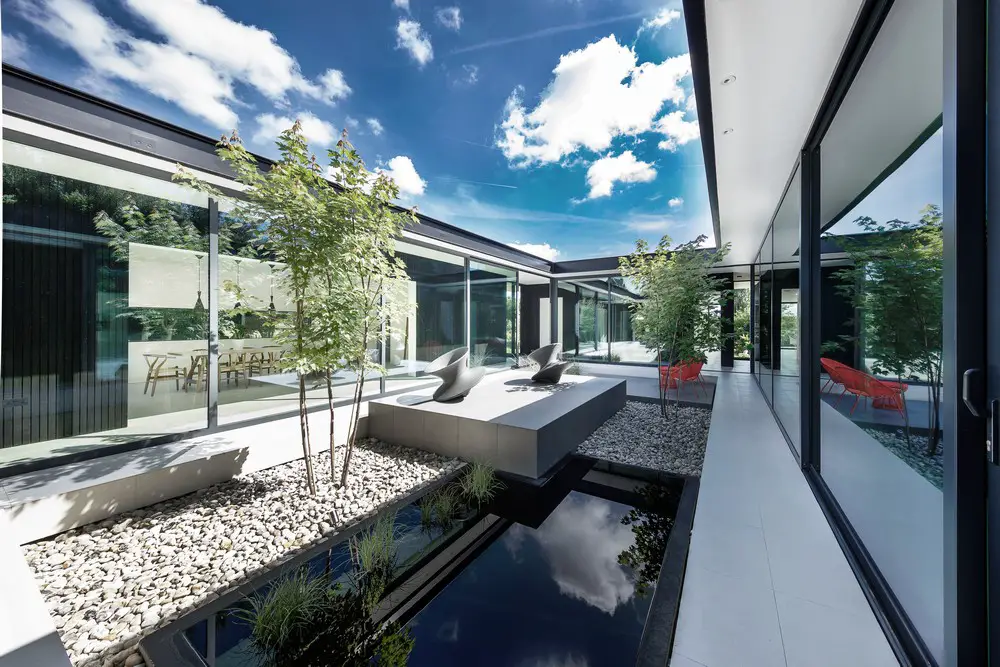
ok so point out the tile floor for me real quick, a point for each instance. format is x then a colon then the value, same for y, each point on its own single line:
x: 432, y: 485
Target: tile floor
x: 766, y: 584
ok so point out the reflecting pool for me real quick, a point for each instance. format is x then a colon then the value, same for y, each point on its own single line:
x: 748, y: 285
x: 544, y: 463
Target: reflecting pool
x: 555, y: 596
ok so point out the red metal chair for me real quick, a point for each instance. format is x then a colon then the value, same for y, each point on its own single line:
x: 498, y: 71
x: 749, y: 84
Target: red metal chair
x: 684, y: 372
x: 832, y: 369
x: 884, y: 395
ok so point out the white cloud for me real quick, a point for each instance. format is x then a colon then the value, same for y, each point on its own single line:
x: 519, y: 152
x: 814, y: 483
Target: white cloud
x: 676, y: 202
x: 624, y: 168
x: 663, y: 18
x: 597, y: 93
x: 15, y: 50
x: 676, y: 130
x: 204, y: 55
x: 334, y: 85
x: 352, y: 122
x: 401, y: 170
x: 410, y: 36
x: 648, y: 224
x: 449, y: 17
x: 586, y: 525
x: 318, y: 132
x: 471, y: 74
x: 556, y: 661
x: 375, y: 126
x: 692, y: 104
x: 161, y: 69
x: 401, y: 4
x: 543, y: 250
x: 239, y: 50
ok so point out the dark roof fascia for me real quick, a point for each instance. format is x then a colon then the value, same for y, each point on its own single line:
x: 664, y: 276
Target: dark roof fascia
x: 47, y: 102
x: 609, y: 264
x: 697, y: 37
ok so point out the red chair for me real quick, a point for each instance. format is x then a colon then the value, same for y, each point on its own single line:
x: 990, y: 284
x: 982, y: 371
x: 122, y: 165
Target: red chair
x: 884, y: 395
x: 684, y: 372
x: 832, y: 369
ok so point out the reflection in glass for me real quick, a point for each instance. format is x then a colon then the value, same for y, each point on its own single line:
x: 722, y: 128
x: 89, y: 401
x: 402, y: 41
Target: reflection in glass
x: 742, y: 345
x: 493, y: 315
x: 435, y: 293
x: 101, y: 276
x: 584, y: 314
x: 881, y: 307
x: 624, y: 347
x: 785, y: 316
x: 766, y: 348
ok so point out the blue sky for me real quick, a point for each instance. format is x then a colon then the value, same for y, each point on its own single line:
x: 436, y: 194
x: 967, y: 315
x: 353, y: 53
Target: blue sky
x: 566, y: 125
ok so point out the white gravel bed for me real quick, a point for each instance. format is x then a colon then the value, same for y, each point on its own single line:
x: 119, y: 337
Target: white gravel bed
x: 637, y: 435
x: 111, y: 583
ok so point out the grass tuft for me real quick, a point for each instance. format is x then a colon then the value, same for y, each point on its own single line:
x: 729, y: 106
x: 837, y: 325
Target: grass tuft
x: 447, y: 504
x: 279, y: 615
x: 480, y: 483
x: 375, y: 550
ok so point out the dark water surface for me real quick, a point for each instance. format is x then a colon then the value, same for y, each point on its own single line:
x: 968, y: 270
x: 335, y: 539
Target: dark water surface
x: 555, y: 596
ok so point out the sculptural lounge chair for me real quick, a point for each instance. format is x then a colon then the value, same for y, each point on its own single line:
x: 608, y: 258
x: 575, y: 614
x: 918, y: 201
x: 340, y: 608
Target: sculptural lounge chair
x: 550, y: 369
x: 457, y: 379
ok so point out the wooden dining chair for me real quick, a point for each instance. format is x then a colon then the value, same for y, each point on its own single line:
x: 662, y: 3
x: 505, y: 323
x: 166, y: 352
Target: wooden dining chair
x: 159, y: 370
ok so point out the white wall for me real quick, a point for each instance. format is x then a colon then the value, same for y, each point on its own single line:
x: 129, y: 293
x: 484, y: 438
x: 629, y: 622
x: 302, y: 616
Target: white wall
x: 162, y: 277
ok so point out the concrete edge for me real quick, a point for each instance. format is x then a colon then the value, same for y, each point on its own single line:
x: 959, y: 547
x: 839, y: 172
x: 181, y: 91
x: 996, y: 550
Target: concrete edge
x: 657, y: 641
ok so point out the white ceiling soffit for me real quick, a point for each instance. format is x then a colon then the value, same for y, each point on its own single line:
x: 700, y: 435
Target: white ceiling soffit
x: 895, y: 97
x: 783, y: 54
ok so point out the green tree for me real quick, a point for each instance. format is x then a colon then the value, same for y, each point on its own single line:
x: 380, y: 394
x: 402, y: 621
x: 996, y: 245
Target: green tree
x: 365, y: 272
x: 286, y: 205
x: 895, y: 283
x: 741, y: 322
x: 337, y: 245
x: 678, y: 315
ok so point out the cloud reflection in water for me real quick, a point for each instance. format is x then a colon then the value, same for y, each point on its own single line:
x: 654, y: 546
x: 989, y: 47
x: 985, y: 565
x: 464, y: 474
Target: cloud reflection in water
x: 581, y: 541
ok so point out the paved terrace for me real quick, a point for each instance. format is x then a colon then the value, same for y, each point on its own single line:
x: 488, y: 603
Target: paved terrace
x: 766, y: 583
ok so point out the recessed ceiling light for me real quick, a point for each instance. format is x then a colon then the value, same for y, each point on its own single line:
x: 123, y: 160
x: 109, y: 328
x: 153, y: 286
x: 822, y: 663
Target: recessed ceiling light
x: 728, y: 130
x: 729, y: 79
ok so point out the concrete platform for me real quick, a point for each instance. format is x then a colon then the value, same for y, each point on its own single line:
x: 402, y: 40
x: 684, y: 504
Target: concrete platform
x: 506, y: 421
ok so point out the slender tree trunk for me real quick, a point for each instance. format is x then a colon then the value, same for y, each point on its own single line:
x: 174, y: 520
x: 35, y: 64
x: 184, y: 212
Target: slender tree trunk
x: 353, y: 432
x: 934, y: 377
x: 303, y: 415
x: 355, y: 408
x: 329, y: 400
x: 906, y: 418
x: 661, y: 382
x: 304, y: 428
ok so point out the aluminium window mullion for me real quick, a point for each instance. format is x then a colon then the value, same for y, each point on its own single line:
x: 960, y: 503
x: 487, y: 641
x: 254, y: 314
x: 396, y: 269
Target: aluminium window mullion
x: 212, y: 381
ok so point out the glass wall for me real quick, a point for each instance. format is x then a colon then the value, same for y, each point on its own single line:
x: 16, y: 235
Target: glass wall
x: 435, y: 294
x: 624, y: 347
x: 764, y: 333
x: 583, y: 314
x: 743, y: 343
x: 784, y: 324
x: 493, y: 315
x: 881, y: 304
x: 102, y: 270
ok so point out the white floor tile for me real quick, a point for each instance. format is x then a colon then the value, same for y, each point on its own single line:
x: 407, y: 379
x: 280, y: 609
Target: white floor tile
x: 726, y: 621
x: 815, y: 570
x: 755, y: 509
x: 819, y: 636
x: 731, y: 549
x: 678, y: 660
